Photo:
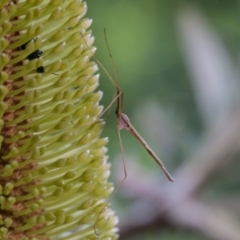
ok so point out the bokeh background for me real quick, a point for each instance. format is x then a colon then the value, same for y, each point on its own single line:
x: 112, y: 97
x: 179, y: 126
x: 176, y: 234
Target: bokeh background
x: 178, y: 66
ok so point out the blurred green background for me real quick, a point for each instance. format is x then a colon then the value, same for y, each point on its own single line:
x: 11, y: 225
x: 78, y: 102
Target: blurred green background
x: 178, y: 67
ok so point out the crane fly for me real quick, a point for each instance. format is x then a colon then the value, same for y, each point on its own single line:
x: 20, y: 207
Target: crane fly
x: 123, y: 122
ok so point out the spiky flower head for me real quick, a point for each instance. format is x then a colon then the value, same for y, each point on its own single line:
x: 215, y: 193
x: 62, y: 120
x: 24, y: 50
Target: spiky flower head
x: 53, y: 168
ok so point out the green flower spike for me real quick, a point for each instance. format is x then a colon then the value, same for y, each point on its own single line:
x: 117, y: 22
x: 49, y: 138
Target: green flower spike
x: 53, y: 168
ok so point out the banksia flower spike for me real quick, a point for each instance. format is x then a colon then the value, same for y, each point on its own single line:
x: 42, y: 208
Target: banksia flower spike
x: 53, y: 168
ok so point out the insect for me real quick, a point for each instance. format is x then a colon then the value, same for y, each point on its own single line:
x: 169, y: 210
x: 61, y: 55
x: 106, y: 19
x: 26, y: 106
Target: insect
x: 123, y: 122
x: 35, y: 54
x: 40, y: 69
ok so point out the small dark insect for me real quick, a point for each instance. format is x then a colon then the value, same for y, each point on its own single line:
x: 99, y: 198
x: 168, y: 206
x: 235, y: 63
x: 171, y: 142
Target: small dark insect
x: 40, y: 69
x: 35, y: 54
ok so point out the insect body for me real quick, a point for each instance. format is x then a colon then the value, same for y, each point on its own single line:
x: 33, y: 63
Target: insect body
x: 40, y: 69
x: 35, y: 54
